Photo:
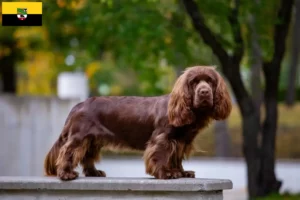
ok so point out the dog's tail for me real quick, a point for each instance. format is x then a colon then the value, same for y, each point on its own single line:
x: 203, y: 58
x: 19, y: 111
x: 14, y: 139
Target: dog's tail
x: 50, y: 167
x: 50, y: 160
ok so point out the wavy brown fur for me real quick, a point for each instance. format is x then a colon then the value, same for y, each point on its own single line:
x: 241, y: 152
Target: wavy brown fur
x: 50, y: 160
x: 164, y: 127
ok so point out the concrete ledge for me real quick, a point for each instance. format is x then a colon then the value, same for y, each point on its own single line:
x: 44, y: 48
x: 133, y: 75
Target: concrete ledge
x: 47, y: 188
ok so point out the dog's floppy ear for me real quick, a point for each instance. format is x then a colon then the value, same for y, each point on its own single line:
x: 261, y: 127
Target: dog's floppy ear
x: 222, y: 100
x: 180, y: 103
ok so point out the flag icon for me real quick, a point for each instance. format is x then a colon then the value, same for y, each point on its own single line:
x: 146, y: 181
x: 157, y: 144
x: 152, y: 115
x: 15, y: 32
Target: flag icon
x: 21, y: 13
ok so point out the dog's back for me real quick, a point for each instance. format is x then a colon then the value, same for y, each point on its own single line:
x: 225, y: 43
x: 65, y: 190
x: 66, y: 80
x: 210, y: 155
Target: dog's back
x: 128, y: 120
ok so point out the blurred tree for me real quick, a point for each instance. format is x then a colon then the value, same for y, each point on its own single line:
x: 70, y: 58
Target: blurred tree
x: 291, y: 87
x: 37, y: 70
x: 8, y: 58
x: 7, y: 68
x: 256, y: 57
x: 260, y: 159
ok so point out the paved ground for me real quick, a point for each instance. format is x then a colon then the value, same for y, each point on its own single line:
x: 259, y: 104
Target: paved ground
x: 233, y: 169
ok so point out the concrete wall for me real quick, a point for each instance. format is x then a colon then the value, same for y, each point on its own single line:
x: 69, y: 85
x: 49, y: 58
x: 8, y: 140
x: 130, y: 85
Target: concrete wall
x: 50, y: 188
x: 28, y: 128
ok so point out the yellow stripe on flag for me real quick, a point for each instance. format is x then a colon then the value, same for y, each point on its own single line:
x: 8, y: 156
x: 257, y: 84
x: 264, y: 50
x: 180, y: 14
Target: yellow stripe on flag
x: 11, y: 7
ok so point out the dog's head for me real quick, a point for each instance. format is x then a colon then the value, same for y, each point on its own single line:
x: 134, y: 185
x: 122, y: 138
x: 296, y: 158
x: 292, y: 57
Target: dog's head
x: 199, y: 88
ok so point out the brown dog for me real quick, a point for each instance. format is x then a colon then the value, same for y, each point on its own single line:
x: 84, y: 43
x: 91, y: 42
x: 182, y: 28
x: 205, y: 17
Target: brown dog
x: 164, y: 127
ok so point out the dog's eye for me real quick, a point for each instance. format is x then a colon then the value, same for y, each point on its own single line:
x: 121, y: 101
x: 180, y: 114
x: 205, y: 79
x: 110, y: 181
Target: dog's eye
x: 208, y: 80
x: 194, y: 82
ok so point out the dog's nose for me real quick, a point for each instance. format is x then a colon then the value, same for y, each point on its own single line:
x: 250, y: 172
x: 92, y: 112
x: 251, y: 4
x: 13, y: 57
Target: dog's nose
x: 204, y: 92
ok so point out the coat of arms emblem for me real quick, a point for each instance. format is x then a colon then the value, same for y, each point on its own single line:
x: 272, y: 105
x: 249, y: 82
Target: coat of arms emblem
x: 22, y: 13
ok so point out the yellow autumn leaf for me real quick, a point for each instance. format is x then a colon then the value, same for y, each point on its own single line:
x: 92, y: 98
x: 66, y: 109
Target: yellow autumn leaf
x: 31, y: 87
x: 68, y: 29
x: 168, y: 40
x: 44, y: 32
x: 39, y: 67
x: 21, y: 86
x: 55, y: 14
x: 44, y: 87
x: 92, y: 68
x: 115, y: 90
x: 78, y: 4
x: 22, y: 44
x: 61, y: 3
x: 168, y: 15
x: 32, y: 72
x: 23, y: 33
x: 59, y: 59
x: 6, y: 51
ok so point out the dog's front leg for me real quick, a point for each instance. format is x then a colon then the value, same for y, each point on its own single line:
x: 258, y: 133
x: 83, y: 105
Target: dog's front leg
x: 183, y: 150
x: 177, y: 158
x: 157, y: 156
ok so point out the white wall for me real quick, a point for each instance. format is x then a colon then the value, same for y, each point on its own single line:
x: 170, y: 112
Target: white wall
x: 28, y: 128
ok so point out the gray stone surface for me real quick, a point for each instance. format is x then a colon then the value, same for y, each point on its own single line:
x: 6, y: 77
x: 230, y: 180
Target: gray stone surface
x: 50, y: 188
x: 107, y: 195
x: 114, y: 184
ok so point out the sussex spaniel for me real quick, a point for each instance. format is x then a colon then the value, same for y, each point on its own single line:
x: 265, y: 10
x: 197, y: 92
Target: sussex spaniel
x: 164, y: 127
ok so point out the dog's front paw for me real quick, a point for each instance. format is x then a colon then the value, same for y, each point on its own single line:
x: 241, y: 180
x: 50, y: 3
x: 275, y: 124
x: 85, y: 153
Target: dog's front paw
x: 168, y: 174
x: 67, y: 176
x: 188, y: 174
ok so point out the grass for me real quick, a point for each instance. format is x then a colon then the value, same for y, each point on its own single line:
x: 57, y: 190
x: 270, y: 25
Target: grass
x: 281, y: 197
x: 288, y: 135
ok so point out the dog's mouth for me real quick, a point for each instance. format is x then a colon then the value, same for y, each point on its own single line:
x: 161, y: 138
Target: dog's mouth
x: 205, y: 104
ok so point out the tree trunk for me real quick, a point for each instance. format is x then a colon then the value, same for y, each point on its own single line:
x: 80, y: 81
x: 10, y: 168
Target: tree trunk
x: 267, y: 178
x: 8, y: 70
x: 256, y: 62
x: 222, y: 138
x: 291, y: 89
x: 8, y: 76
x: 251, y: 128
x: 268, y: 181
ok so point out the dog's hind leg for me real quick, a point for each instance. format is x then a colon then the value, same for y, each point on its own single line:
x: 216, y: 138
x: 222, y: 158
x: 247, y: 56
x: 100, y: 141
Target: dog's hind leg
x: 69, y: 156
x: 91, y: 156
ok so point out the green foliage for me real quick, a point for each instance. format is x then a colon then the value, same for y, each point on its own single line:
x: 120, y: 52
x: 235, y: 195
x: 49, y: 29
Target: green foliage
x: 265, y: 14
x: 281, y: 197
x: 282, y: 94
x: 139, y: 35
